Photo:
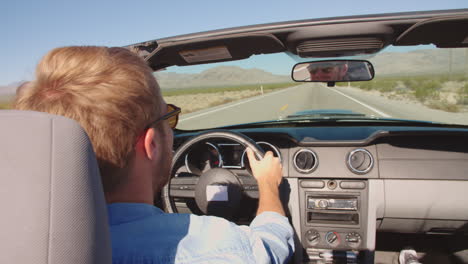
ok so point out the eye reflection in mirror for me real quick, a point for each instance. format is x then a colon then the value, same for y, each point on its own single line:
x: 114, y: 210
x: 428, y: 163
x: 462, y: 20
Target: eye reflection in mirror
x: 333, y: 71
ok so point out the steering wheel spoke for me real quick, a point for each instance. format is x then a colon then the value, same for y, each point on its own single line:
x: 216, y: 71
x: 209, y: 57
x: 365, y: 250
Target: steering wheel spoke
x: 183, y: 186
x: 250, y: 186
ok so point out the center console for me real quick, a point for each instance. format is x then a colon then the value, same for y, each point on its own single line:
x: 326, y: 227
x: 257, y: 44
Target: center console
x: 333, y: 219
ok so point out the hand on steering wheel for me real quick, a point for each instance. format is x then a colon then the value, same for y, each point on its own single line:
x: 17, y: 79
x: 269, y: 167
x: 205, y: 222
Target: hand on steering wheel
x: 266, y: 171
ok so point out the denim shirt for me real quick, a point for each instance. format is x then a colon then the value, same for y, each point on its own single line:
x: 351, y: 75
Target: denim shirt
x: 142, y: 233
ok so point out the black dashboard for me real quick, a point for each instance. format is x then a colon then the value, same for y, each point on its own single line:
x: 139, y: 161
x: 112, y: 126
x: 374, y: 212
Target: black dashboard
x: 345, y: 183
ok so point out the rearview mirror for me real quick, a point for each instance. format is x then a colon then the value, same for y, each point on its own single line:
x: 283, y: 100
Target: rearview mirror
x: 333, y: 71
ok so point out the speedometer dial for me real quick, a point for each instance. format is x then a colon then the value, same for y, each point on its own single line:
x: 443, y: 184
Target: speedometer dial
x: 202, y: 158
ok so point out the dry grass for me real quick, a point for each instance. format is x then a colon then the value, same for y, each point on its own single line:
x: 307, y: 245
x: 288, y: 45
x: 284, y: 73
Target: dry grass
x: 195, y: 102
x: 5, y: 105
x: 217, y: 89
x: 444, y: 106
x: 435, y: 91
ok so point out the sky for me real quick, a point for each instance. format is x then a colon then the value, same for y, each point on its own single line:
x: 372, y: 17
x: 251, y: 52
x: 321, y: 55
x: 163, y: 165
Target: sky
x: 29, y: 29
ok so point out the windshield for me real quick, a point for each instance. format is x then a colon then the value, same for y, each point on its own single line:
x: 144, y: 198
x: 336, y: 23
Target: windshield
x: 422, y: 83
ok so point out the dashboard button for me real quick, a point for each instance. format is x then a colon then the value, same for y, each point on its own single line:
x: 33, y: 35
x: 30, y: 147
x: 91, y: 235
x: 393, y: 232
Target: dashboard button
x: 352, y: 185
x: 313, y: 184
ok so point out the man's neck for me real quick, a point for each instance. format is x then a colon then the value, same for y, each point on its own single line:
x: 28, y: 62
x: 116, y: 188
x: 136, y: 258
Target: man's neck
x: 138, y: 188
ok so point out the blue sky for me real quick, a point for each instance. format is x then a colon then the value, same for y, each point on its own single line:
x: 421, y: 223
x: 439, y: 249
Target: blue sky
x: 29, y: 29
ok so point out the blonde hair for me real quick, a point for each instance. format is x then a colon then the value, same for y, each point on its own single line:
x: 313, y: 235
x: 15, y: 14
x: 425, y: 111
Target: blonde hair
x: 111, y: 92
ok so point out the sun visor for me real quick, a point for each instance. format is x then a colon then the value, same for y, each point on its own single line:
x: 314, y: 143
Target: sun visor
x: 212, y: 50
x: 337, y: 40
x: 445, y: 32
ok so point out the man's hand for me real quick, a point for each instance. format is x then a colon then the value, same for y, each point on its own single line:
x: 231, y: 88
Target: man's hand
x: 266, y: 171
x: 269, y: 175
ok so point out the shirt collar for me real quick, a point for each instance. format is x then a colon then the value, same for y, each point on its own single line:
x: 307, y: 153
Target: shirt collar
x: 120, y: 213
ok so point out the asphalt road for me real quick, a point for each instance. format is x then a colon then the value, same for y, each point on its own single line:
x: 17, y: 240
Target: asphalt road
x: 312, y: 96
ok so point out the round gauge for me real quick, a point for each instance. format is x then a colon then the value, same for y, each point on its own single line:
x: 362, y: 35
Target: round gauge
x: 266, y: 147
x: 203, y: 157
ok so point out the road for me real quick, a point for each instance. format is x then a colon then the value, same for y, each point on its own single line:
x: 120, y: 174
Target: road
x: 312, y: 96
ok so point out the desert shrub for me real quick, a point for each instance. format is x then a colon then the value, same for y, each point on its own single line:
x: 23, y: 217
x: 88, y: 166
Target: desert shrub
x: 461, y: 78
x: 222, y: 101
x: 382, y: 85
x: 462, y: 96
x: 431, y: 85
x: 423, y: 94
x: 386, y: 85
x: 442, y: 78
x: 410, y: 84
x: 365, y: 85
x: 444, y: 106
x: 427, y: 90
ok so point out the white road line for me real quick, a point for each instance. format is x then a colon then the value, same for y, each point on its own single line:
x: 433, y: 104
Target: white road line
x: 363, y: 104
x: 238, y: 103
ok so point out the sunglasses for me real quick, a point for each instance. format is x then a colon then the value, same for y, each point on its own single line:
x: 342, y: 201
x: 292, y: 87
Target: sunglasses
x: 324, y: 70
x: 172, y: 116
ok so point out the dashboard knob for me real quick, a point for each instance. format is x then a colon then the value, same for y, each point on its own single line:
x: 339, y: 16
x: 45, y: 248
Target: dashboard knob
x: 313, y: 237
x: 323, y: 204
x: 332, y: 238
x: 353, y: 239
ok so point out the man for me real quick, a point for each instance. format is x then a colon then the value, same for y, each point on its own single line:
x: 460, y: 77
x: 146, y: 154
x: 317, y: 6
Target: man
x: 327, y: 71
x: 113, y: 94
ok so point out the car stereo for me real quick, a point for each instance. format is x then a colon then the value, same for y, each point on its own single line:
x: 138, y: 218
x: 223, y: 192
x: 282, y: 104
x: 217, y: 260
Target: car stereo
x: 333, y: 216
x: 332, y: 209
x: 332, y: 203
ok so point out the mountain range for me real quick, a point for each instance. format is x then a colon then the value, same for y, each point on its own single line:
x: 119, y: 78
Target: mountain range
x: 432, y: 61
x: 218, y: 76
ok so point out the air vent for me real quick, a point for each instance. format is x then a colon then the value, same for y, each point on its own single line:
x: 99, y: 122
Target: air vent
x: 317, y: 48
x: 305, y: 161
x: 360, y: 161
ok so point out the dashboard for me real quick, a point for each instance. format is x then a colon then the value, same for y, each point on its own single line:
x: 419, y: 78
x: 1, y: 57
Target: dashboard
x: 343, y: 184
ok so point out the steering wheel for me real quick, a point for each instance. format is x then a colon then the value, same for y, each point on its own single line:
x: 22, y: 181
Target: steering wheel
x: 217, y: 191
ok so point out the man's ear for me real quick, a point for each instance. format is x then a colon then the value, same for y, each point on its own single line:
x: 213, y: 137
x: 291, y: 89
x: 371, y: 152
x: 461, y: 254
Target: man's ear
x: 149, y: 143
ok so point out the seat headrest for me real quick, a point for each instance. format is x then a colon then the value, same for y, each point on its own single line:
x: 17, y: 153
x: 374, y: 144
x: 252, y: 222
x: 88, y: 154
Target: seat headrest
x: 51, y: 196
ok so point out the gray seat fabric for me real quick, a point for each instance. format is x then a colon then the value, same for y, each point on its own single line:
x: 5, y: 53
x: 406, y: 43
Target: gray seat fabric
x: 53, y: 207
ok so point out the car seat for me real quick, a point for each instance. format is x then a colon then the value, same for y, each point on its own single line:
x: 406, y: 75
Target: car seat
x: 51, y: 196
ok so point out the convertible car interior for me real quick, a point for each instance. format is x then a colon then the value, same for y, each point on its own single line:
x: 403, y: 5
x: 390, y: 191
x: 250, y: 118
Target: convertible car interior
x: 357, y: 188
x: 349, y: 187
